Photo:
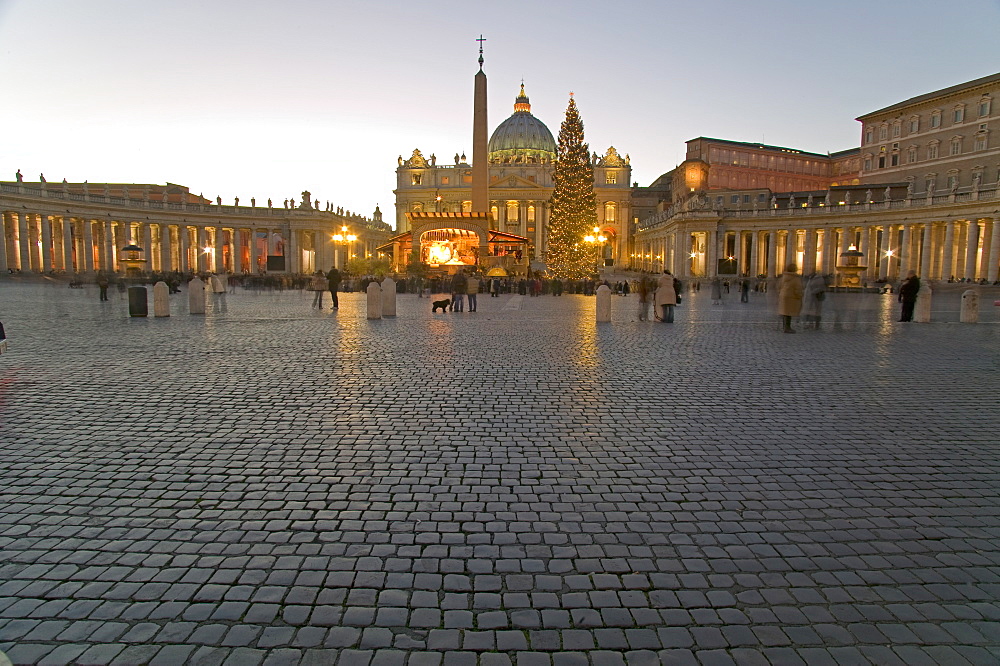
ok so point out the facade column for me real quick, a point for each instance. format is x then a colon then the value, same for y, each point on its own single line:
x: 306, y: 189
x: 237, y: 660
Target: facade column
x: 949, y: 250
x: 107, y: 254
x: 866, y: 233
x: 809, y: 259
x: 905, y: 231
x: 200, y: 258
x: 753, y: 267
x: 994, y: 238
x: 24, y: 259
x: 165, y: 264
x: 217, y: 251
x: 46, y: 223
x: 184, y: 235
x: 4, y: 266
x: 147, y: 246
x: 925, y: 251
x: 87, y: 265
x: 67, y: 235
x: 772, y: 253
x: 989, y: 256
x: 972, y: 245
x: 237, y: 250
x: 253, y: 252
x: 712, y: 253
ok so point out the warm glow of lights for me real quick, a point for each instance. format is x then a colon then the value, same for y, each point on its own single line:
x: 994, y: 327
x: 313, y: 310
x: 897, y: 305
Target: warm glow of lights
x: 694, y: 255
x: 852, y: 248
x: 889, y: 253
x: 208, y: 250
x: 588, y: 239
x: 351, y: 238
x: 338, y: 237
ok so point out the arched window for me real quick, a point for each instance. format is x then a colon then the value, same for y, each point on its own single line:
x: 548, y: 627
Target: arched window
x: 610, y: 212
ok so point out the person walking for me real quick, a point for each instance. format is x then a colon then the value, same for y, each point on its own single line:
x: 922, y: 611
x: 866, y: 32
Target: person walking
x: 716, y: 291
x: 459, y: 284
x: 789, y: 297
x: 333, y: 278
x: 744, y: 291
x: 642, y: 291
x: 813, y: 295
x: 319, y: 284
x: 102, y: 283
x: 665, y: 298
x: 908, y: 291
x: 472, y: 291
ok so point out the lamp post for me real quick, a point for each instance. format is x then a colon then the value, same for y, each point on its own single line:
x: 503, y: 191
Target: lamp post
x: 598, y: 241
x: 345, y: 238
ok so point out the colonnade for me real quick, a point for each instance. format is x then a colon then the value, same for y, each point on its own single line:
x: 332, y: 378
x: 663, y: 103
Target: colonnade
x: 76, y: 242
x: 967, y: 247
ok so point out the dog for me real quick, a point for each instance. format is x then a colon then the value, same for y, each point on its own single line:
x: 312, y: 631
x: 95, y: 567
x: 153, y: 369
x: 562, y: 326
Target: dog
x: 443, y: 304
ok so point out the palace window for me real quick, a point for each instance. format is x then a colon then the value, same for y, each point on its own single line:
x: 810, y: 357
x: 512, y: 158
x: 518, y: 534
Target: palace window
x: 914, y: 124
x: 932, y: 151
x: 930, y: 182
x: 911, y: 155
x: 610, y: 177
x: 512, y: 210
x: 936, y: 119
x: 958, y: 115
x: 952, y: 180
x: 896, y: 129
x: 868, y: 164
x: 956, y: 146
x: 610, y: 212
x: 883, y: 133
x: 984, y: 107
x: 981, y: 141
x: 746, y: 198
x: 444, y: 180
x: 894, y: 159
x: 531, y: 216
x: 868, y: 135
x: 415, y: 178
x: 466, y: 206
x: 495, y: 212
x: 734, y: 198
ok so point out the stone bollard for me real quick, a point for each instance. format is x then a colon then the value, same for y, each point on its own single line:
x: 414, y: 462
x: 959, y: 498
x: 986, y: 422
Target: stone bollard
x: 603, y: 303
x: 388, y: 297
x: 138, y: 306
x: 970, y: 307
x: 196, y: 296
x: 922, y: 308
x: 374, y: 300
x: 161, y: 299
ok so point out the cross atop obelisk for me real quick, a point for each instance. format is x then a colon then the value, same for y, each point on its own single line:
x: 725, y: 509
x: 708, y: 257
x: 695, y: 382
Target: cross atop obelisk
x: 481, y: 40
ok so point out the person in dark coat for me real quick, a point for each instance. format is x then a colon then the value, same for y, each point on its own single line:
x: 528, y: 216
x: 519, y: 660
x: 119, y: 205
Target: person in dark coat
x: 908, y: 295
x: 333, y: 279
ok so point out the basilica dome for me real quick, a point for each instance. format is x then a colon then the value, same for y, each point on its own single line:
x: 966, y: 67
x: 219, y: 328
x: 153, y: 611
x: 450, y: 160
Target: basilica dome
x: 522, y: 138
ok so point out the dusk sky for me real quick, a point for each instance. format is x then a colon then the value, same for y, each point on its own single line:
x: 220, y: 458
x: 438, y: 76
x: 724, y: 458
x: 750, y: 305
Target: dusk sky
x: 266, y: 99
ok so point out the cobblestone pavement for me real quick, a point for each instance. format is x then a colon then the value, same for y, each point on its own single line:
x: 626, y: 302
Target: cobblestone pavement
x: 272, y: 484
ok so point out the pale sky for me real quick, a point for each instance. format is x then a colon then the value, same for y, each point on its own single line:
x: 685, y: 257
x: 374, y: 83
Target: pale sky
x: 266, y: 99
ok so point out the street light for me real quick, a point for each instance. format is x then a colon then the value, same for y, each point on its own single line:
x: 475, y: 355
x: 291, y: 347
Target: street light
x: 598, y: 240
x: 342, y: 237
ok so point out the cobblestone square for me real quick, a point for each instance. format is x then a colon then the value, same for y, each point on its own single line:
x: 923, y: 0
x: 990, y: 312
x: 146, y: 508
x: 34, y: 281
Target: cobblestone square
x: 272, y: 484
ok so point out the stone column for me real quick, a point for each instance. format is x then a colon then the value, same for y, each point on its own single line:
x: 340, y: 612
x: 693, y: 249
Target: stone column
x: 949, y: 250
x: 147, y: 245
x: 4, y: 266
x: 46, y: 223
x: 184, y: 236
x: 200, y: 251
x: 24, y: 259
x: 994, y: 268
x: 237, y: 249
x: 165, y: 263
x: 87, y: 265
x: 772, y: 253
x: 961, y: 237
x: 791, y: 243
x: 253, y: 252
x: 905, y: 233
x: 752, y: 267
x: 971, y: 248
x: 217, y: 251
x: 865, y: 249
x: 712, y: 253
x: 67, y: 235
x: 925, y: 252
x: 809, y: 258
x: 107, y: 252
x: 989, y: 256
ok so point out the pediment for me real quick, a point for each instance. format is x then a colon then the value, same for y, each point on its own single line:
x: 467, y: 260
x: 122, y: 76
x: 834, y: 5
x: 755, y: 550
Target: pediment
x: 512, y: 181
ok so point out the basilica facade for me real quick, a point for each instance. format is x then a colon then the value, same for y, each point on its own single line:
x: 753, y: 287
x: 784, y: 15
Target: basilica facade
x: 521, y: 159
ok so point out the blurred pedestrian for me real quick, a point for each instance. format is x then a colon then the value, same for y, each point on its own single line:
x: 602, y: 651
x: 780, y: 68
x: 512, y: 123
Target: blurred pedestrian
x: 908, y: 291
x: 789, y: 297
x: 665, y: 298
x: 318, y: 285
x: 813, y: 295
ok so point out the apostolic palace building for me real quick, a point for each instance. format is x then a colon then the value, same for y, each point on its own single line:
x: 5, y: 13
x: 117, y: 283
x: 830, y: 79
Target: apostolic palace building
x: 920, y: 192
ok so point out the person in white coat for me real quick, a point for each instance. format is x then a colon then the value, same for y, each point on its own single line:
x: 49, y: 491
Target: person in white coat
x: 666, y: 297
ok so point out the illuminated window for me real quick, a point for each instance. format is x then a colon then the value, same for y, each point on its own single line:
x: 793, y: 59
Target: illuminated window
x: 444, y: 180
x: 495, y: 212
x: 610, y: 212
x: 415, y: 178
x: 611, y: 178
x: 466, y: 206
x: 512, y: 210
x: 531, y: 216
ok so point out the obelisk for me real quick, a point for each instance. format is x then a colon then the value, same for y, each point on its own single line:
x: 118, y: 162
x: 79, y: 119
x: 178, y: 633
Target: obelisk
x: 480, y: 147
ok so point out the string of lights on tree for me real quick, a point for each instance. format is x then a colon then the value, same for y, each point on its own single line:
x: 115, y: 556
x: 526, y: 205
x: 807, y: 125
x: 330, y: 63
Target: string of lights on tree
x: 573, y: 207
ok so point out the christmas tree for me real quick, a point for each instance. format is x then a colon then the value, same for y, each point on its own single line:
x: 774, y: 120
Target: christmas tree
x: 573, y: 207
